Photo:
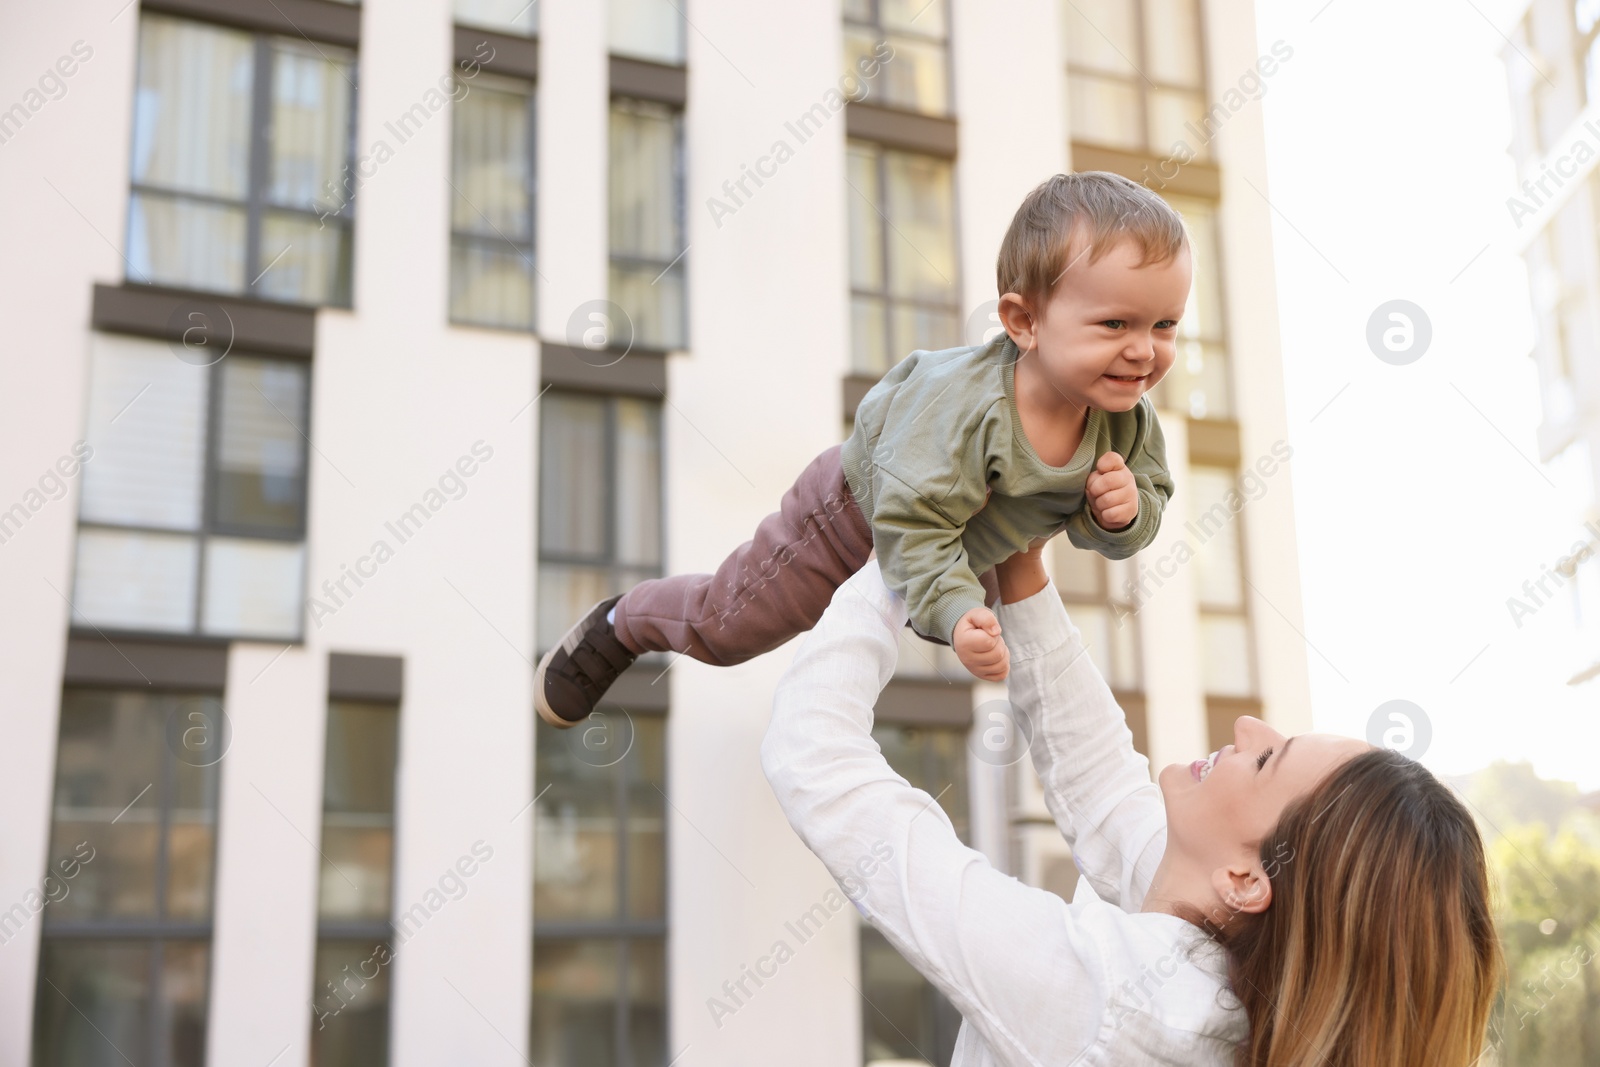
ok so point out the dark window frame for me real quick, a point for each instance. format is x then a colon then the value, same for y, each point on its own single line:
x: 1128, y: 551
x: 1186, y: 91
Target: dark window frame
x: 256, y: 203
x: 528, y: 250
x: 874, y: 24
x: 890, y: 302
x: 607, y: 558
x: 1144, y: 83
x: 1220, y: 339
x: 368, y: 680
x: 680, y: 213
x: 208, y: 526
x: 1245, y: 612
x: 157, y: 932
x: 622, y: 930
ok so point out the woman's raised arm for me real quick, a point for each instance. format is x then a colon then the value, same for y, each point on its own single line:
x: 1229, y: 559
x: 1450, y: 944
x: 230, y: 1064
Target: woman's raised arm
x: 1095, y: 785
x: 1010, y: 957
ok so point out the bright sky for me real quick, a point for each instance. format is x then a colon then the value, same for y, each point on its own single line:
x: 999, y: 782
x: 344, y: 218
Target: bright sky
x: 1419, y: 502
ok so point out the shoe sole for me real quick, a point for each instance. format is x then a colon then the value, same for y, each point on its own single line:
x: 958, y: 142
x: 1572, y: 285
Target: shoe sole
x: 546, y: 712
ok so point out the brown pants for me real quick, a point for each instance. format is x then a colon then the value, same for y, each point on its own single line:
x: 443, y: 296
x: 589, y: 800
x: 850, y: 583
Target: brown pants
x: 772, y: 587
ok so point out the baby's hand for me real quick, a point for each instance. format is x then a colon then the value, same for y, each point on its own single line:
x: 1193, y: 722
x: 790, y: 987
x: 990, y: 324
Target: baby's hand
x: 1113, y: 495
x: 978, y: 645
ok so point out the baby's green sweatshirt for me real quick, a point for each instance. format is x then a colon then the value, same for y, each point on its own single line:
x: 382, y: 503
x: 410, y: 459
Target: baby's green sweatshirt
x: 939, y: 429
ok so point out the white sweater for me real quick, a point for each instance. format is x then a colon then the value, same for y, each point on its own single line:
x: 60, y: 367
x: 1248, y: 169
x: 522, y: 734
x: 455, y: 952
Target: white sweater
x: 1038, y: 981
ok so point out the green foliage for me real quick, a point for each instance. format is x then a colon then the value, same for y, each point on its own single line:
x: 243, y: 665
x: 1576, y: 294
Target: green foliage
x: 1544, y: 855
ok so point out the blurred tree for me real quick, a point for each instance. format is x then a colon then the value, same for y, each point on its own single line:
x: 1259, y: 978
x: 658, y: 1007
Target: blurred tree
x: 1544, y: 855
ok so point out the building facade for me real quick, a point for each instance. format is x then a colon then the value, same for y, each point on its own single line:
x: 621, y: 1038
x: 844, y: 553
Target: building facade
x: 357, y: 347
x: 1552, y: 62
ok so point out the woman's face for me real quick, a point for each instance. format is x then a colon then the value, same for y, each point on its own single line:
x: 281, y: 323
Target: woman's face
x: 1220, y: 808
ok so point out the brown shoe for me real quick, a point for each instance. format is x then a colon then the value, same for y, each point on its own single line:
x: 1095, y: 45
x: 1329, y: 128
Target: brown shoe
x: 572, y: 677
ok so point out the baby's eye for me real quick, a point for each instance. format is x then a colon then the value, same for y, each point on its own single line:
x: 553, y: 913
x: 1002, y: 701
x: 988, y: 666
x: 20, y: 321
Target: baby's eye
x: 1167, y: 324
x: 1115, y: 324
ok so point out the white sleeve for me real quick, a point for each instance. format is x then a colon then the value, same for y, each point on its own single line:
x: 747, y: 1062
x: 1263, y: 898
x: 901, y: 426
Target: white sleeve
x: 1011, y: 958
x: 1095, y: 784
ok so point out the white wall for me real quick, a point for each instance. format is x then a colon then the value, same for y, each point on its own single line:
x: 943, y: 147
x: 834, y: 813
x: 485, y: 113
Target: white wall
x: 752, y: 403
x: 63, y: 194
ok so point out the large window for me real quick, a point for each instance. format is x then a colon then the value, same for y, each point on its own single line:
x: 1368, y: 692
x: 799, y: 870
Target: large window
x: 904, y: 293
x: 491, y: 205
x: 918, y: 77
x: 125, y: 956
x: 241, y: 153
x: 1225, y: 645
x: 646, y: 221
x: 599, y: 503
x: 599, y: 898
x: 1135, y: 75
x: 1198, y: 383
x: 192, y: 518
x: 647, y: 29
x: 904, y: 1019
x: 1102, y: 600
x: 350, y: 990
x: 599, y: 893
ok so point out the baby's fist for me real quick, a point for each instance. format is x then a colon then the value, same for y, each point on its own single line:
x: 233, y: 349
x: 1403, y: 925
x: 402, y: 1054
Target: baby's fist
x: 1112, y: 492
x: 978, y: 645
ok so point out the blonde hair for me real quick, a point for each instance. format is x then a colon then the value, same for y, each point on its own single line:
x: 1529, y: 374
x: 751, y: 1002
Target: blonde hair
x: 1378, y: 948
x: 1067, y: 210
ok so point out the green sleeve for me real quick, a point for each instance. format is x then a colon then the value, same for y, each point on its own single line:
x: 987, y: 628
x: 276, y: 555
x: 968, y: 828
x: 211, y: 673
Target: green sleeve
x: 925, y: 488
x: 1144, y: 450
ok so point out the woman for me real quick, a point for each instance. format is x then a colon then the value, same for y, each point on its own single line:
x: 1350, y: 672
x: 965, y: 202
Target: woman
x: 1283, y: 902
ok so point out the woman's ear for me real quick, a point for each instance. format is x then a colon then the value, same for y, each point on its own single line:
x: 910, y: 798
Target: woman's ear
x: 1016, y: 315
x: 1243, y: 888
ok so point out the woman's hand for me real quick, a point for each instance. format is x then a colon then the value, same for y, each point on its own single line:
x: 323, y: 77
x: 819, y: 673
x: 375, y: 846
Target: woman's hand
x: 1023, y: 574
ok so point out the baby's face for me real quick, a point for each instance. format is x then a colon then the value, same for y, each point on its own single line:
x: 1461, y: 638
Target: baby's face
x: 1109, y: 331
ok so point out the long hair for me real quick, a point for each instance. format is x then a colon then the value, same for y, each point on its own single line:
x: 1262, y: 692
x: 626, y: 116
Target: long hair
x: 1378, y: 948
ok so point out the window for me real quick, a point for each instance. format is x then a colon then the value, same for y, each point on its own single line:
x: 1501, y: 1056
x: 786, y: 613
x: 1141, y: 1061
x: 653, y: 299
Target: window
x: 1225, y: 644
x: 192, y: 518
x: 491, y: 205
x: 599, y: 503
x: 125, y: 957
x: 646, y: 221
x: 241, y: 163
x: 599, y: 893
x: 1100, y: 596
x: 1135, y: 76
x: 918, y: 78
x: 904, y: 292
x: 508, y: 16
x: 647, y: 29
x: 599, y: 897
x: 1198, y: 383
x: 350, y: 990
x: 904, y: 1018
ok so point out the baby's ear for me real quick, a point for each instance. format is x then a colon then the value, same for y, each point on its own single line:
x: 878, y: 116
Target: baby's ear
x: 1016, y: 316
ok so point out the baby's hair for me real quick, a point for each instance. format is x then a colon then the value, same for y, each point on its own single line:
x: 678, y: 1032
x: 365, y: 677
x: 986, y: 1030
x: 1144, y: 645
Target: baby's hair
x: 1095, y: 206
